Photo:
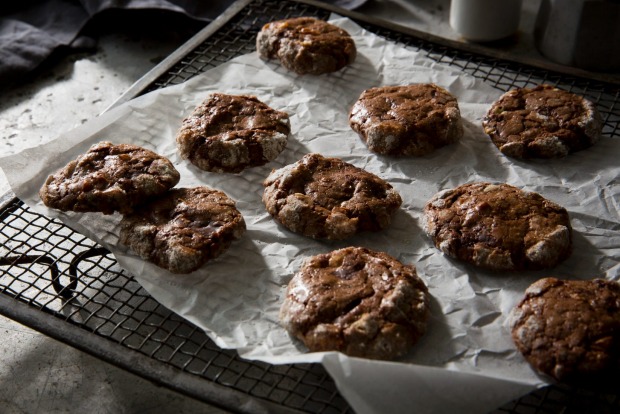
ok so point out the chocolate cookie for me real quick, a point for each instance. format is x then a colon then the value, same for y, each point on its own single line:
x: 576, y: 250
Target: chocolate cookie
x: 356, y: 301
x: 409, y: 120
x: 228, y: 133
x: 498, y: 227
x: 328, y: 198
x: 109, y: 178
x: 183, y: 229
x: 306, y: 45
x: 543, y: 122
x: 570, y: 330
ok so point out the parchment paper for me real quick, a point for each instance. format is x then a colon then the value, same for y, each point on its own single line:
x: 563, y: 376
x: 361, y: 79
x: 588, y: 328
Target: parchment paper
x: 467, y: 359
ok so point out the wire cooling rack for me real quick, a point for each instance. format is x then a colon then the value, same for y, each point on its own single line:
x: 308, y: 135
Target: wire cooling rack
x: 63, y: 284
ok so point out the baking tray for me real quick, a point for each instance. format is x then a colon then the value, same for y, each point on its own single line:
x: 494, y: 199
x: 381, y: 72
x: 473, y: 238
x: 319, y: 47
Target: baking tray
x: 64, y: 285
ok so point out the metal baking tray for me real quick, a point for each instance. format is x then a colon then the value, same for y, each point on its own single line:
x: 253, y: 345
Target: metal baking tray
x: 64, y: 285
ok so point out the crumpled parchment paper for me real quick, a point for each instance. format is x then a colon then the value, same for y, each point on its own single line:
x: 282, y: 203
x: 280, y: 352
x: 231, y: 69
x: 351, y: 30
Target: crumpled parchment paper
x: 467, y: 359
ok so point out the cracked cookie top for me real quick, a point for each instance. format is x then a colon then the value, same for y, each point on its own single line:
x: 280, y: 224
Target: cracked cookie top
x: 542, y: 122
x: 327, y: 198
x: 306, y: 45
x: 183, y: 229
x: 109, y: 178
x: 357, y: 301
x: 229, y: 133
x: 570, y: 329
x: 498, y: 227
x: 407, y: 120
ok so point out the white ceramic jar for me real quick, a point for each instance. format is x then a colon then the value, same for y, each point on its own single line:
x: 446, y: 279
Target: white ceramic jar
x: 485, y: 20
x: 582, y: 33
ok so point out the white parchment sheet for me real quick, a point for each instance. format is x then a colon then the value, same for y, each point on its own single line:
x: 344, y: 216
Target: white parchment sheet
x: 467, y: 360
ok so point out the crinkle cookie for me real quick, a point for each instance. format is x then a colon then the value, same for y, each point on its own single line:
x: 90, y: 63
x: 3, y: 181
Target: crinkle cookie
x: 183, y: 229
x: 109, y: 178
x: 498, y: 227
x: 306, y: 45
x: 570, y: 329
x: 408, y: 120
x: 357, y: 301
x: 543, y: 122
x: 229, y: 133
x: 327, y: 198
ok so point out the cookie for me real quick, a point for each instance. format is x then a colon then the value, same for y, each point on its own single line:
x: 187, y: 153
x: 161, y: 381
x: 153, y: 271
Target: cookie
x: 570, y: 329
x: 306, y: 45
x: 498, y: 227
x: 543, y: 122
x: 408, y: 120
x: 183, y: 229
x: 109, y: 178
x: 357, y: 301
x: 327, y: 198
x: 229, y: 133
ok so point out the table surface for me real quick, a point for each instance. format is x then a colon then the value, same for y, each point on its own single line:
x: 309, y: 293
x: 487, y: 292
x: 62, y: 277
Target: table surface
x: 41, y: 375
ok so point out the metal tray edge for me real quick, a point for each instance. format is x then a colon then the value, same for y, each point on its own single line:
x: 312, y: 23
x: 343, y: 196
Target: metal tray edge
x: 137, y: 363
x: 160, y: 69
